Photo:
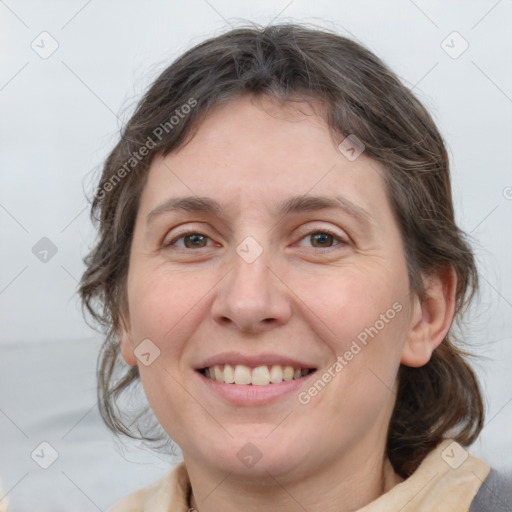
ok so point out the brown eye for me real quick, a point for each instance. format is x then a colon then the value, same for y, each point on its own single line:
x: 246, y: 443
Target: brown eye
x: 324, y: 239
x: 195, y: 240
x: 191, y: 240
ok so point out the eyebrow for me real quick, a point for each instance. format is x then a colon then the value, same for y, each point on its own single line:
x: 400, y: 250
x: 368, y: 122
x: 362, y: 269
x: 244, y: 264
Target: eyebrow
x: 291, y: 205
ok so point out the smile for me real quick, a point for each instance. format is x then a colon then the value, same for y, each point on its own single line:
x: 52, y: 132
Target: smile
x: 258, y: 376
x: 244, y: 379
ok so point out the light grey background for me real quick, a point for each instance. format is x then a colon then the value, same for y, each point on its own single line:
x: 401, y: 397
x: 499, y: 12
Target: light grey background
x: 59, y: 118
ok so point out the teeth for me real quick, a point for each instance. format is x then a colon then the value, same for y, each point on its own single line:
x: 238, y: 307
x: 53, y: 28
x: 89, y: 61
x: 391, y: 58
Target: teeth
x: 259, y: 376
x: 229, y: 374
x: 242, y: 374
x: 219, y: 376
x: 288, y: 373
x: 276, y: 374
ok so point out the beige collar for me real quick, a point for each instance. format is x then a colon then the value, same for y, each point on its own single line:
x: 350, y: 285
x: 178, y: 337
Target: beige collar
x: 446, y: 481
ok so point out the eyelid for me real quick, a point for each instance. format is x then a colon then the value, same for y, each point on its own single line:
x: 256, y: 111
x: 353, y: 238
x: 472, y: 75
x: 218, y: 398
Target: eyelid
x: 342, y: 240
x: 201, y: 229
x: 305, y: 232
x: 183, y: 234
x: 341, y: 235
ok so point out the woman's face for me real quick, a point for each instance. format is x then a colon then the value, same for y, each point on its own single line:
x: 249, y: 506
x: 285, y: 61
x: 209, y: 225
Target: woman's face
x: 253, y: 284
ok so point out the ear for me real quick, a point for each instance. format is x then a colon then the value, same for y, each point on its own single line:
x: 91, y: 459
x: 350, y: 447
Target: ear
x: 126, y: 345
x: 431, y: 318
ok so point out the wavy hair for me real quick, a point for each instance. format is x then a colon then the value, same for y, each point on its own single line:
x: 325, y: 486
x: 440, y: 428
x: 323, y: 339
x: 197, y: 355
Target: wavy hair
x: 362, y: 97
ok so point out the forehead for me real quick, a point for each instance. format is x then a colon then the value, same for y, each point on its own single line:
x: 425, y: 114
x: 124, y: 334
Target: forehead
x: 259, y: 151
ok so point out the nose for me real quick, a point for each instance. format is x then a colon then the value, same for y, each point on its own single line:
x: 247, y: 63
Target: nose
x: 252, y: 297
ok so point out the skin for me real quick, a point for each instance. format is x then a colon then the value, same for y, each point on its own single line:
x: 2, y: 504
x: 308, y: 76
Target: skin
x: 298, y: 298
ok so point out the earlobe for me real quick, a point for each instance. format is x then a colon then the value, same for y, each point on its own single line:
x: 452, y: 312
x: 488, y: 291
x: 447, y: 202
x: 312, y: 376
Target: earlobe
x: 431, y: 317
x: 126, y: 345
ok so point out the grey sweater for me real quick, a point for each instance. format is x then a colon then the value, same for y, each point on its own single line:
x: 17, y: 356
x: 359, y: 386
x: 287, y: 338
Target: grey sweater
x: 495, y: 494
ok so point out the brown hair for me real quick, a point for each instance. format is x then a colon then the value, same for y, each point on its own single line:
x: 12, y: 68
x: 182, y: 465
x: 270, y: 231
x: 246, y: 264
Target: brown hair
x: 362, y: 97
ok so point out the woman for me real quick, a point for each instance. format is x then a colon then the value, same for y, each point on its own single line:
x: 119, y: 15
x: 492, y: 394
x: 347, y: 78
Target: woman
x: 279, y: 265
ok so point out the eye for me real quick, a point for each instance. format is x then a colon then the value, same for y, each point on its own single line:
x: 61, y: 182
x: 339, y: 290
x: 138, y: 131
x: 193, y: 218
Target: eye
x: 324, y: 238
x: 191, y: 240
x: 321, y: 239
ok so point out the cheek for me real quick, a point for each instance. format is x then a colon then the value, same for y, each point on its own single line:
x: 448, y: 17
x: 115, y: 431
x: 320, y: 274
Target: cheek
x: 363, y: 321
x: 170, y: 403
x: 366, y: 351
x: 352, y: 299
x: 162, y: 310
x: 161, y: 304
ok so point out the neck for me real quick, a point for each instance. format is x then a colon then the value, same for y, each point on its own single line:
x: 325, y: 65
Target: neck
x: 345, y: 486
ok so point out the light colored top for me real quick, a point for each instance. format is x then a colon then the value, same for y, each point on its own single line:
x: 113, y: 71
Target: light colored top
x: 447, y: 480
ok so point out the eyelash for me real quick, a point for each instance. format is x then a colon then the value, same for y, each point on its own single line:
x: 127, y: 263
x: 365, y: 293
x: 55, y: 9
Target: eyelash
x: 309, y: 233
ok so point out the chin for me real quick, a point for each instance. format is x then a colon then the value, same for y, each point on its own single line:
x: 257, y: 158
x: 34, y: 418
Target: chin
x: 258, y: 454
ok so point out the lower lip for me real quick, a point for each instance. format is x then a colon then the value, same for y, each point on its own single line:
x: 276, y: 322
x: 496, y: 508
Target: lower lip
x: 250, y: 394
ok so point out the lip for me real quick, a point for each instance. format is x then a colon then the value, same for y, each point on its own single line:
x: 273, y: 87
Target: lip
x: 250, y: 395
x: 234, y: 358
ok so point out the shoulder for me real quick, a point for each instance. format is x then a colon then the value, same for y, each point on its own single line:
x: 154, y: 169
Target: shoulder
x: 171, y: 490
x: 495, y: 493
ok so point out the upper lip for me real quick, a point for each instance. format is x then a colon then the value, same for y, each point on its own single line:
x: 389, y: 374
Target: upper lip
x: 235, y: 358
